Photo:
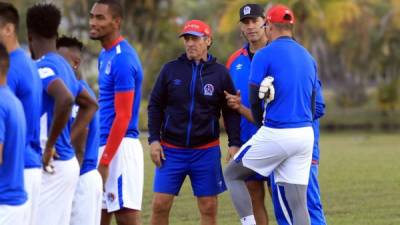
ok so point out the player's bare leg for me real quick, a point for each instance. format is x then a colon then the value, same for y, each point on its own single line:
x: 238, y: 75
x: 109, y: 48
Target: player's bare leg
x: 257, y: 193
x: 208, y: 207
x: 161, y: 207
x: 127, y: 216
x: 105, y: 217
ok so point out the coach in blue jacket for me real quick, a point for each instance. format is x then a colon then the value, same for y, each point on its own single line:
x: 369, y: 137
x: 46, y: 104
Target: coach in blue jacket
x: 184, y: 110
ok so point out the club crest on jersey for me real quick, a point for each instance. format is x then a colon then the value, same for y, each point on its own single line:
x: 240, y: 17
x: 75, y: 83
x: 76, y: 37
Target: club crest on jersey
x: 110, y: 197
x: 208, y: 89
x: 246, y: 10
x: 108, y: 68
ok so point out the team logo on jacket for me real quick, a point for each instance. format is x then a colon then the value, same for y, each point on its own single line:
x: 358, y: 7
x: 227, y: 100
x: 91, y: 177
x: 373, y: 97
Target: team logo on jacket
x: 177, y: 82
x: 208, y: 89
x: 108, y: 67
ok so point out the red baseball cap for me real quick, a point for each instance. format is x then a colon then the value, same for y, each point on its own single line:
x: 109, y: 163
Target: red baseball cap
x: 197, y: 28
x: 280, y: 14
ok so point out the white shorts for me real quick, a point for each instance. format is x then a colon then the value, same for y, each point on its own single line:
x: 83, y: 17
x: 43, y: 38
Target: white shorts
x: 33, y: 179
x: 286, y: 152
x: 57, y: 192
x: 124, y: 186
x: 13, y: 215
x: 86, y: 207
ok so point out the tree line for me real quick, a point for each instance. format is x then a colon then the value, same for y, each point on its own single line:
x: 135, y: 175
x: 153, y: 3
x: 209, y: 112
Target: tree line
x: 356, y: 42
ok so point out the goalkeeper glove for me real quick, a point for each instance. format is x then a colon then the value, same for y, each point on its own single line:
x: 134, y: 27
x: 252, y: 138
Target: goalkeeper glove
x: 267, y: 90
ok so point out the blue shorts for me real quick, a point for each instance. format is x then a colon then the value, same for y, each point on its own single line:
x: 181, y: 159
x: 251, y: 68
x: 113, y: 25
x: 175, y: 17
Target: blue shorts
x: 281, y: 207
x: 202, y: 166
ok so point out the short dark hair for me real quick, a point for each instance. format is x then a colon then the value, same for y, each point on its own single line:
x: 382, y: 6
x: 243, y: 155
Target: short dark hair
x: 115, y: 7
x: 69, y: 42
x: 43, y: 19
x: 9, y: 14
x: 4, y: 60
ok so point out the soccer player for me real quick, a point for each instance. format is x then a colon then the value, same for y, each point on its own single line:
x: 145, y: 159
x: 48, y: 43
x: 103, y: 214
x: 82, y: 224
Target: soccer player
x: 86, y: 208
x: 283, y: 145
x: 60, y: 91
x: 282, y: 211
x: 253, y: 30
x: 120, y: 79
x: 237, y: 64
x: 12, y: 148
x: 184, y: 110
x: 24, y: 81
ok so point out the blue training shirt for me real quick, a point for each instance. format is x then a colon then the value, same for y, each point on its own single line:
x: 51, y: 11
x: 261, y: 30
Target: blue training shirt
x: 93, y: 139
x: 119, y: 70
x: 53, y: 66
x: 13, y: 138
x: 23, y: 79
x: 295, y: 74
x: 239, y: 68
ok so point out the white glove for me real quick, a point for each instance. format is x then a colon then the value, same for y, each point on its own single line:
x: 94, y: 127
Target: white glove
x: 267, y: 89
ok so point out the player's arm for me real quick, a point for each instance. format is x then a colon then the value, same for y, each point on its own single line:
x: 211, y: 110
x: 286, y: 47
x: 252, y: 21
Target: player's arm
x: 124, y: 83
x: 257, y: 73
x: 63, y: 102
x: 234, y: 102
x: 157, y: 103
x: 231, y: 119
x: 319, y: 102
x: 123, y: 112
x: 12, y: 82
x: 87, y: 108
x: 80, y: 145
x: 255, y: 105
x: 246, y: 112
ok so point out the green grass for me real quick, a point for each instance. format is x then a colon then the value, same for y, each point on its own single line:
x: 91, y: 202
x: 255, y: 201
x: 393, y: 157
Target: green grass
x: 359, y: 178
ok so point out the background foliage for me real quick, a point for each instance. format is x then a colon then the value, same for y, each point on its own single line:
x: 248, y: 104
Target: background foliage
x: 356, y: 44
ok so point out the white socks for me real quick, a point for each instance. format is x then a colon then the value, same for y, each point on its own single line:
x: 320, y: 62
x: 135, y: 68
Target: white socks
x: 248, y: 220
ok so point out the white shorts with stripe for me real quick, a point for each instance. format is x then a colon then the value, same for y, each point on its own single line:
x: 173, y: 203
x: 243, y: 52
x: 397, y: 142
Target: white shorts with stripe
x: 33, y: 180
x: 13, y: 215
x: 287, y: 152
x: 124, y: 186
x: 86, y: 207
x: 57, y: 192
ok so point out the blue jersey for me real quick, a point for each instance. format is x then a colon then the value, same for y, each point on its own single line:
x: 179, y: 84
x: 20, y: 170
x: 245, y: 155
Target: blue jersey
x: 93, y: 139
x: 13, y: 139
x: 23, y: 79
x: 53, y: 66
x: 319, y: 112
x: 119, y: 70
x: 239, y: 68
x: 295, y: 75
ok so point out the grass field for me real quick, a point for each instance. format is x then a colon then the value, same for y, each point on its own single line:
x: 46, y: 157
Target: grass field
x: 359, y: 178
